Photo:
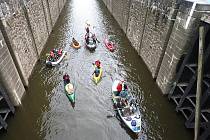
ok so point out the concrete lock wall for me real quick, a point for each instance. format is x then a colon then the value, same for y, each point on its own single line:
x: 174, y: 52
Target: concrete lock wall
x: 25, y: 26
x: 183, y: 36
x: 157, y: 30
x: 9, y: 76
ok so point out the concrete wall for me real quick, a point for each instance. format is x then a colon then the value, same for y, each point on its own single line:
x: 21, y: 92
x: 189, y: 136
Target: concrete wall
x: 156, y: 29
x: 54, y: 10
x: 183, y: 36
x: 154, y: 35
x: 19, y: 35
x: 9, y: 76
x: 25, y: 26
x: 136, y: 20
x: 146, y: 25
x: 37, y: 19
x: 180, y: 40
x: 47, y: 15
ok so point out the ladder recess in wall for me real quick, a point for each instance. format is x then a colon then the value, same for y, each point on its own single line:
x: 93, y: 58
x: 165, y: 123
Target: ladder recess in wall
x: 6, y: 108
x: 183, y: 92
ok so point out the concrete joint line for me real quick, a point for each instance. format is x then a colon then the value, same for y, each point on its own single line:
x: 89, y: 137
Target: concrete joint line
x: 23, y: 5
x: 202, y: 11
x: 48, y: 7
x: 45, y: 17
x: 13, y: 55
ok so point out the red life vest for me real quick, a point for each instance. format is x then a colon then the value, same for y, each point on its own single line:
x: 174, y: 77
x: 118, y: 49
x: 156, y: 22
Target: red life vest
x: 119, y: 87
x: 52, y: 54
x: 60, y: 52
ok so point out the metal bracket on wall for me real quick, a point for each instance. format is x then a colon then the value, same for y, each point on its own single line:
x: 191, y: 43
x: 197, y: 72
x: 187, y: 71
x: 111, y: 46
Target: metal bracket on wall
x: 6, y: 108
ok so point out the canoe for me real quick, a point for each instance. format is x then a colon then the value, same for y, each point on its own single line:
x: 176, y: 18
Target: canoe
x: 75, y: 45
x: 97, y: 79
x: 109, y: 45
x: 129, y: 114
x: 90, y: 45
x: 69, y: 90
x: 50, y: 63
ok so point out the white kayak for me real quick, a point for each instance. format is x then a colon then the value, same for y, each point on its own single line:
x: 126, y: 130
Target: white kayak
x: 129, y: 113
x: 50, y: 63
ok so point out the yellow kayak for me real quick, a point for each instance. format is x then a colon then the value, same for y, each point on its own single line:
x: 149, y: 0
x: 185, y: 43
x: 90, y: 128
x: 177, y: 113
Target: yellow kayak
x: 97, y: 79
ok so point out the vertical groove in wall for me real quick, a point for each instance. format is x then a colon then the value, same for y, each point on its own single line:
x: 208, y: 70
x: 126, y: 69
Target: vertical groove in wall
x: 58, y: 7
x: 48, y: 8
x: 165, y: 44
x: 45, y: 17
x: 29, y: 26
x: 8, y: 89
x: 18, y: 66
x: 144, y: 24
x: 128, y: 16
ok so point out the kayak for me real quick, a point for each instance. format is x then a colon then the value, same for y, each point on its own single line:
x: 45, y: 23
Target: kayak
x: 50, y: 63
x: 109, y: 45
x: 91, y: 45
x: 129, y: 113
x: 75, y: 45
x: 69, y: 90
x: 98, y: 78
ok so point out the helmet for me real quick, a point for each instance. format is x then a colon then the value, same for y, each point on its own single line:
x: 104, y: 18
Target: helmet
x: 97, y: 63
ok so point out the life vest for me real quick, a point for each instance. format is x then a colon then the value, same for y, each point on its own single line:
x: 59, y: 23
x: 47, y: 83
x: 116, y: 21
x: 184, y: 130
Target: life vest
x: 97, y: 70
x: 60, y: 52
x: 52, y: 54
x: 119, y: 87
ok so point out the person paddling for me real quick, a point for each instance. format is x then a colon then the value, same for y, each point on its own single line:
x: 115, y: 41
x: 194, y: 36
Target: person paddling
x: 52, y: 56
x: 124, y: 91
x: 97, y: 69
x: 66, y: 78
x: 60, y: 52
x: 98, y: 63
x: 119, y: 88
x: 75, y: 41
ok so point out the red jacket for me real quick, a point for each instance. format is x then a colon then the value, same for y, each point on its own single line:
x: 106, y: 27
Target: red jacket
x: 119, y: 87
x: 52, y: 54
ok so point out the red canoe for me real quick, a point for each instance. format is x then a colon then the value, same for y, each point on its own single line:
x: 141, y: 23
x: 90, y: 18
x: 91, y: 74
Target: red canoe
x: 110, y: 45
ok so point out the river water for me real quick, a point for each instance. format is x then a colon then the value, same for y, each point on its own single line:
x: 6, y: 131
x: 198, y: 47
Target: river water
x: 46, y: 112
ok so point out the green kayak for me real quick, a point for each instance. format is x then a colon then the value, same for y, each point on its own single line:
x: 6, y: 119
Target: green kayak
x: 69, y: 90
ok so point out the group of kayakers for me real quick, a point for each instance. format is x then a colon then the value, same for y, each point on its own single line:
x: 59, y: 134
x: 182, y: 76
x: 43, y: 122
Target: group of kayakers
x: 55, y: 54
x: 122, y: 94
x: 97, y: 63
x: 89, y: 35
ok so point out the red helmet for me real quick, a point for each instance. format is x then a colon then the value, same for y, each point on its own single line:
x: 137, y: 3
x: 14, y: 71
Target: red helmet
x: 97, y: 63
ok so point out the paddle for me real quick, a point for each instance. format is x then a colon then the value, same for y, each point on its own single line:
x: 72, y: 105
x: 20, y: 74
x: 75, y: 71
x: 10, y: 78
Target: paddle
x: 115, y: 109
x: 110, y: 116
x: 112, y: 79
x: 98, y: 40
